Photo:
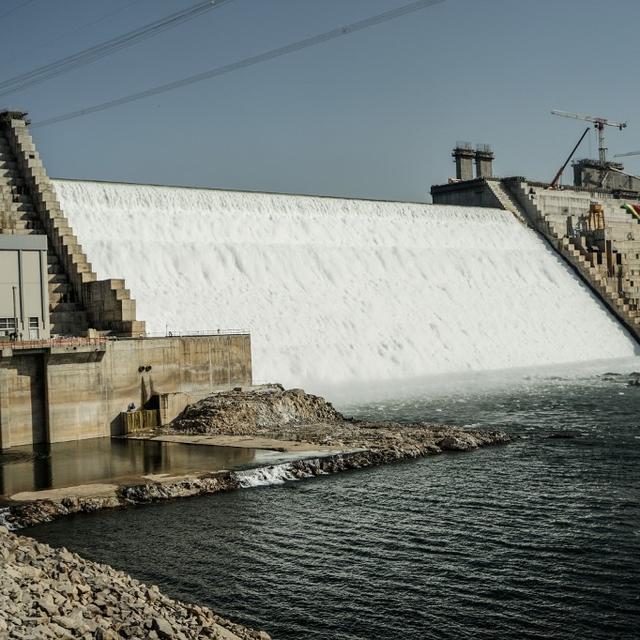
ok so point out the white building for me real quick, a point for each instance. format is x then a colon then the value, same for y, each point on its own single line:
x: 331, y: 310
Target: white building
x: 24, y: 292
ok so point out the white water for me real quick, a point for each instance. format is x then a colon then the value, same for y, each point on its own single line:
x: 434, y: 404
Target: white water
x: 341, y: 291
x: 264, y: 476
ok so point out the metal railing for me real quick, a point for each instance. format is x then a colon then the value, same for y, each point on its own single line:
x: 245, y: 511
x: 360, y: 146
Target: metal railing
x: 102, y: 340
x: 170, y: 333
x: 54, y: 342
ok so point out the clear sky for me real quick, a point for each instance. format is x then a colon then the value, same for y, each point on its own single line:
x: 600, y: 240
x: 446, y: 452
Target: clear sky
x: 374, y: 114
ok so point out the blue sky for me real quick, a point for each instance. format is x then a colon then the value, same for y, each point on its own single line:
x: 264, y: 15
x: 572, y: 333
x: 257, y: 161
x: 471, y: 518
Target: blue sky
x: 374, y: 114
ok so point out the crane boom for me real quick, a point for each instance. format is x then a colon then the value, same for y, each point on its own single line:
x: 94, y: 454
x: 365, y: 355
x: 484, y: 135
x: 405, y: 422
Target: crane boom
x: 624, y: 155
x: 599, y: 123
x: 558, y: 175
x: 594, y: 119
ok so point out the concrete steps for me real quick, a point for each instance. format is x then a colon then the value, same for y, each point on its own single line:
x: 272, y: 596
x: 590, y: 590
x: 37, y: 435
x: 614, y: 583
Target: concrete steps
x: 622, y: 299
x: 27, y: 198
x: 20, y: 216
x: 505, y: 199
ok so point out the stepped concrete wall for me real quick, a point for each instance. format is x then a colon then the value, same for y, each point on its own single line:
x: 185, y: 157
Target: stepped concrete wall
x: 28, y: 204
x: 608, y: 261
x: 77, y: 391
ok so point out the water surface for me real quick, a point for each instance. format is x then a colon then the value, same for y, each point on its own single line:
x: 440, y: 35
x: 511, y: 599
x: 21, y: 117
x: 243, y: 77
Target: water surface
x: 538, y: 539
x: 66, y: 464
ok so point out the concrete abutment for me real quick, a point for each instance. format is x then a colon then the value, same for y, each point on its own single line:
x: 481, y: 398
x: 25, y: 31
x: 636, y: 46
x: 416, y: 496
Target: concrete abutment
x: 77, y: 391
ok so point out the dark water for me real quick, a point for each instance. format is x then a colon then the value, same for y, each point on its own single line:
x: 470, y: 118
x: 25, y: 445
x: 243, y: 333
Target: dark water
x: 538, y: 539
x: 65, y: 464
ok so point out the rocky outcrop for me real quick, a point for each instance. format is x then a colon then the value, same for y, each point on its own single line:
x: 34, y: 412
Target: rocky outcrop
x: 270, y: 411
x: 53, y: 593
x: 254, y: 410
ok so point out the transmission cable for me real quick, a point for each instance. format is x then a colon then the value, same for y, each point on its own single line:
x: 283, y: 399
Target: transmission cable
x: 13, y: 9
x: 78, y: 29
x: 86, y: 56
x: 248, y: 62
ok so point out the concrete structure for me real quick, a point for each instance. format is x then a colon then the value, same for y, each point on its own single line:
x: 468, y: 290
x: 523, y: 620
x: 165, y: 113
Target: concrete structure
x: 484, y: 161
x: 589, y: 227
x: 463, y: 155
x: 593, y: 174
x: 73, y: 355
x: 68, y: 390
x: 28, y: 205
x: 24, y: 293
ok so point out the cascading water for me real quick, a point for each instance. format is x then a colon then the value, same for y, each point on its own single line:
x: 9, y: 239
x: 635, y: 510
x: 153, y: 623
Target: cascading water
x: 337, y: 291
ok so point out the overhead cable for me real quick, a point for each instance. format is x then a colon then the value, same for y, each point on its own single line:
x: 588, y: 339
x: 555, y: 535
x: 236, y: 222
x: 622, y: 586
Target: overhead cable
x: 78, y: 29
x: 18, y: 6
x: 86, y: 56
x: 248, y: 62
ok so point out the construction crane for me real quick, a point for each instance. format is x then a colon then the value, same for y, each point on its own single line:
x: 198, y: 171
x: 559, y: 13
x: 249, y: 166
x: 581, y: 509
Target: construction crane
x: 599, y: 124
x: 556, y: 178
x: 624, y: 155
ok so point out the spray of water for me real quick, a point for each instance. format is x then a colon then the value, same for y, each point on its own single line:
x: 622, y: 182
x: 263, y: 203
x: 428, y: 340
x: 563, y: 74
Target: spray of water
x: 339, y: 292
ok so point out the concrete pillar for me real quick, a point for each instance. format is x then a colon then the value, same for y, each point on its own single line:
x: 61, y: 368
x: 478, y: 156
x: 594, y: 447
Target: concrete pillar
x: 484, y: 161
x: 463, y: 155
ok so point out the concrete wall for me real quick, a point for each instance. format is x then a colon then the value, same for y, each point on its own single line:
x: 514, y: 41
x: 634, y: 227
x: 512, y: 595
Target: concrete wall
x: 85, y: 388
x: 22, y: 401
x: 473, y: 193
x: 590, y: 175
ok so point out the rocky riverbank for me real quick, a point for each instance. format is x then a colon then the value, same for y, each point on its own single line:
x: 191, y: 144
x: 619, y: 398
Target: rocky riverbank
x: 272, y: 412
x: 53, y: 593
x: 275, y: 418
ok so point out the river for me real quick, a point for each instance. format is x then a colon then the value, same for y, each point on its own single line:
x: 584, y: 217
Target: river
x: 537, y: 539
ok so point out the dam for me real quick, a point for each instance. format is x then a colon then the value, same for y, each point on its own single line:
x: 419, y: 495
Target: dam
x: 329, y: 292
x: 342, y: 291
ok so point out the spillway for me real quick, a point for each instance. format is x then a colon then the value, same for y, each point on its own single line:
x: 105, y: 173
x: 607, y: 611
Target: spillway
x: 337, y: 291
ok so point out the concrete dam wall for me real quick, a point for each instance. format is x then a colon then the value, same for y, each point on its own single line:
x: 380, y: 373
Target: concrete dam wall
x: 337, y: 291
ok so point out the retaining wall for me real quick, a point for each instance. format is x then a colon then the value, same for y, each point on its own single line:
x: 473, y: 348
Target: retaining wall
x: 66, y: 393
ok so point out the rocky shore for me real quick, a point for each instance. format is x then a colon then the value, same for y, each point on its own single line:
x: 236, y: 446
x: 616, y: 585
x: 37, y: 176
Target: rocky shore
x: 271, y: 414
x: 53, y: 593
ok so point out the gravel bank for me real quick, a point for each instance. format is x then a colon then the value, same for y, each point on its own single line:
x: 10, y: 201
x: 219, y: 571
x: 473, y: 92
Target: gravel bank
x: 53, y: 593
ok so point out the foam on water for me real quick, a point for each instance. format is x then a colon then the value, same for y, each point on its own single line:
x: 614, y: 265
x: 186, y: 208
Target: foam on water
x: 264, y: 476
x: 343, y: 291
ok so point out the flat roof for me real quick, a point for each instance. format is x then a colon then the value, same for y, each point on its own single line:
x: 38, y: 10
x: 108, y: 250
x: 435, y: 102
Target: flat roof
x: 22, y: 242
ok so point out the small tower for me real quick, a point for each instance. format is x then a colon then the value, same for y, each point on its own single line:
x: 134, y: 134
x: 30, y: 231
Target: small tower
x: 463, y: 155
x: 484, y: 161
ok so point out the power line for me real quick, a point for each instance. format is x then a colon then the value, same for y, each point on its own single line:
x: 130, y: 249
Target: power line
x: 78, y: 29
x: 248, y: 62
x: 18, y: 6
x: 86, y: 56
x: 82, y: 27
